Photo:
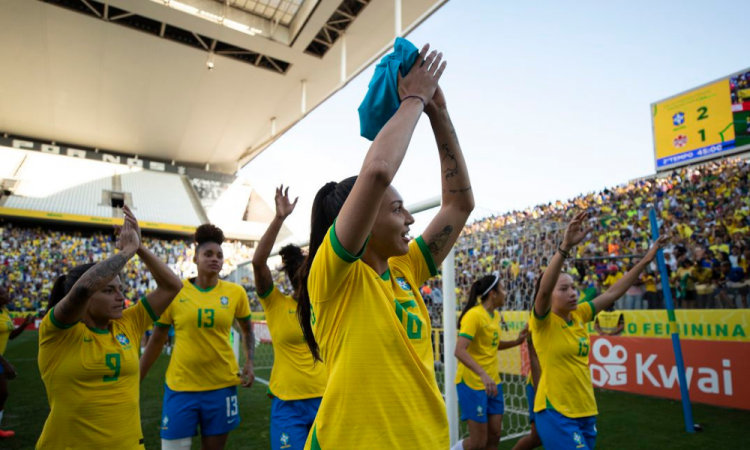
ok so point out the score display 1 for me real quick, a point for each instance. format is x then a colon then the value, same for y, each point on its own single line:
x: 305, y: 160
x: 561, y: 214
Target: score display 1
x: 703, y: 123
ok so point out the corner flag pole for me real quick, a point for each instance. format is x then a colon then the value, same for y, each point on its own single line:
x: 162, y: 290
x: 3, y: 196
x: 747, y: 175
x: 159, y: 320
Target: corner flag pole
x: 687, y: 408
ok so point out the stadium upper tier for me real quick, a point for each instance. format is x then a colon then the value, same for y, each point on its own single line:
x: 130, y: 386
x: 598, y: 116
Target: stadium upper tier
x: 87, y: 191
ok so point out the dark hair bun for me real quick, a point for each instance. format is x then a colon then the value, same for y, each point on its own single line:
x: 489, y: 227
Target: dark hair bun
x: 209, y: 233
x: 290, y: 252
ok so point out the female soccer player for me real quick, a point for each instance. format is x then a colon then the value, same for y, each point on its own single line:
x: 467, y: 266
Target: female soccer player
x: 360, y: 306
x: 202, y: 377
x: 297, y: 383
x: 480, y: 390
x: 565, y: 406
x: 88, y: 350
x: 7, y: 371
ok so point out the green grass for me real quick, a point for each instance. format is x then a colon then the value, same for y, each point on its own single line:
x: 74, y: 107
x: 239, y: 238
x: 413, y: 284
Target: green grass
x: 625, y: 421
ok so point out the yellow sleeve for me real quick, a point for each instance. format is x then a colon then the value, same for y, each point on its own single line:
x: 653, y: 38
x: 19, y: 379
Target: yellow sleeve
x: 139, y: 318
x: 587, y: 311
x: 268, y: 299
x: 331, y: 266
x: 50, y: 329
x: 536, y: 322
x: 469, y: 325
x: 53, y: 338
x: 418, y: 261
x: 243, y: 305
x: 165, y: 320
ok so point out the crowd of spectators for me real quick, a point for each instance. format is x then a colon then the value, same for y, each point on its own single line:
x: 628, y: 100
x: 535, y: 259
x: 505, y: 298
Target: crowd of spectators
x: 31, y: 259
x: 705, y: 208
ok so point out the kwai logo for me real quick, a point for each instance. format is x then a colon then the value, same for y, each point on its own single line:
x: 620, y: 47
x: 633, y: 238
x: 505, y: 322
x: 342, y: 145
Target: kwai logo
x: 647, y: 366
x: 612, y: 358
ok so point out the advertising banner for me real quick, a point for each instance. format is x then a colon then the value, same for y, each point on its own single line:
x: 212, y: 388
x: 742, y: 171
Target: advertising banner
x: 716, y: 371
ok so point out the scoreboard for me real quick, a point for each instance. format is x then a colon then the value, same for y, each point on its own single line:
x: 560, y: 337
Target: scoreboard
x: 706, y: 122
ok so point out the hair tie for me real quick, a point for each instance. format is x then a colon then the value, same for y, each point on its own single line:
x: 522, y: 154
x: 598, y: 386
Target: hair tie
x: 494, y: 283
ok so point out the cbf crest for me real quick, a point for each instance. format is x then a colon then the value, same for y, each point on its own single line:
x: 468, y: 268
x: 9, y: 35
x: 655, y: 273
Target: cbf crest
x: 225, y: 301
x: 403, y: 284
x: 123, y: 340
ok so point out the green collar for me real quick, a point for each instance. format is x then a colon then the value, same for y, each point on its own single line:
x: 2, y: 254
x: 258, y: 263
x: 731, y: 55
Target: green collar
x: 98, y: 330
x: 201, y: 289
x: 386, y: 276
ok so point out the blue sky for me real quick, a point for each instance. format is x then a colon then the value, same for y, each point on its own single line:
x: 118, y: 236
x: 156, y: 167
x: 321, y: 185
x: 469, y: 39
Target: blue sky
x: 550, y: 99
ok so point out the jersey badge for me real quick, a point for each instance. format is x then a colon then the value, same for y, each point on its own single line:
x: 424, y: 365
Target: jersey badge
x: 284, y: 440
x: 123, y: 340
x: 402, y: 283
x: 225, y: 301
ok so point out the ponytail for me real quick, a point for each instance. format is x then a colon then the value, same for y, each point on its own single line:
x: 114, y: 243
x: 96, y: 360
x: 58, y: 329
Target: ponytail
x: 65, y: 283
x: 292, y: 258
x: 326, y: 207
x: 480, y: 288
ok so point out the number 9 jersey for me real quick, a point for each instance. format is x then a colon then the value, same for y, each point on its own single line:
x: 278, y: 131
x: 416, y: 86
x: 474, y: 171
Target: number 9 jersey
x: 203, y: 359
x: 92, y: 378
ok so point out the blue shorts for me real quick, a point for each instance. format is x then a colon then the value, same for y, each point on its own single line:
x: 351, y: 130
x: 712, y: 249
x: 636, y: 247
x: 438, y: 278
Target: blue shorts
x: 2, y: 370
x: 530, y: 396
x: 476, y: 405
x: 291, y: 422
x: 217, y: 412
x: 563, y: 433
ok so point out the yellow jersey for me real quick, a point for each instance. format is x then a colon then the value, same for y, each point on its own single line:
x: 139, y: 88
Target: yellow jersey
x: 294, y: 376
x: 483, y: 329
x: 93, y: 382
x: 6, y: 326
x: 563, y: 350
x: 609, y: 320
x: 380, y: 393
x: 203, y: 359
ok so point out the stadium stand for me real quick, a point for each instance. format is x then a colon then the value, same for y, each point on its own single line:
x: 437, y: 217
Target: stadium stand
x: 160, y: 197
x: 706, y: 208
x: 50, y: 183
x: 31, y: 258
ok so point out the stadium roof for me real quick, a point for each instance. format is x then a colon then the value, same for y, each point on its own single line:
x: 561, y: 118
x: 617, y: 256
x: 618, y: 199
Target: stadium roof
x: 131, y: 76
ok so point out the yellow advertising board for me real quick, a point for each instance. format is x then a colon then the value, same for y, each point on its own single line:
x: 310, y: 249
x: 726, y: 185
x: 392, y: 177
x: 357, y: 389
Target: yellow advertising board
x: 699, y: 324
x: 30, y: 214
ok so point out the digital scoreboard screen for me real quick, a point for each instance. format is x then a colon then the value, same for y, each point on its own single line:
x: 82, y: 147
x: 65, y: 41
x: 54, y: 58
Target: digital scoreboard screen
x: 706, y: 122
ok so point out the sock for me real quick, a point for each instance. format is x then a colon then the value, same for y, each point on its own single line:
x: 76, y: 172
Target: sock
x: 1, y: 416
x: 459, y: 445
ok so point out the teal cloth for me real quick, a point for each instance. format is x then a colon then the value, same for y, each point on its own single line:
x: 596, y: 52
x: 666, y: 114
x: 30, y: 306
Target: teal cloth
x: 382, y: 100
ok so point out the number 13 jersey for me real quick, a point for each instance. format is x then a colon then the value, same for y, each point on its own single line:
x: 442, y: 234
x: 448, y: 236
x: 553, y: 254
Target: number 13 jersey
x: 203, y: 359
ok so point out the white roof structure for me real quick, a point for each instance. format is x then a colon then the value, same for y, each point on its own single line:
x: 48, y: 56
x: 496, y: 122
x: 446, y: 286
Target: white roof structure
x: 131, y: 76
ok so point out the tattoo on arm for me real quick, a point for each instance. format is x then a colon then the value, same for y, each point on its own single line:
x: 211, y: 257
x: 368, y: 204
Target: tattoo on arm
x: 93, y: 280
x: 438, y: 241
x: 448, y: 162
x: 457, y: 191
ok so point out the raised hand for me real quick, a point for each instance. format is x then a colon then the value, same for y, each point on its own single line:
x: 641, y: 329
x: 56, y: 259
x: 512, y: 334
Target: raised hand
x: 422, y: 79
x: 575, y: 233
x: 128, y: 240
x: 437, y: 102
x: 28, y: 320
x: 655, y: 247
x: 284, y: 208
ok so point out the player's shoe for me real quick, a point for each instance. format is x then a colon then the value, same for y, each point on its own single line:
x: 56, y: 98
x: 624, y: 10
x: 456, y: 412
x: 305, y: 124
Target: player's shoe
x: 5, y: 434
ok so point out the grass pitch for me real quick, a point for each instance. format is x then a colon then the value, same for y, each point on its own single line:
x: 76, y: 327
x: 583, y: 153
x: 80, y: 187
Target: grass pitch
x: 625, y: 421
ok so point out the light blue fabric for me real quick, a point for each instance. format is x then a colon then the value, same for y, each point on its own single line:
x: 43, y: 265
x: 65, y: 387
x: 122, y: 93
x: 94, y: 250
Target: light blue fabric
x: 382, y: 100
